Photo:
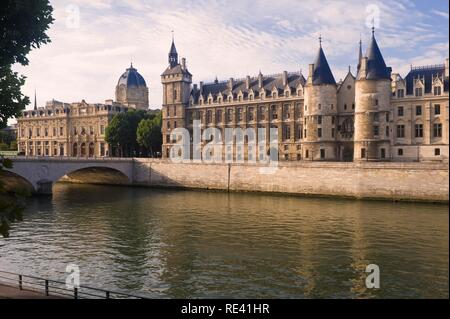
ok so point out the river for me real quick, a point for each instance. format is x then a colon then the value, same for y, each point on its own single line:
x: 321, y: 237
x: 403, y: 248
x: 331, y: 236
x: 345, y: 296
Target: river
x: 193, y: 244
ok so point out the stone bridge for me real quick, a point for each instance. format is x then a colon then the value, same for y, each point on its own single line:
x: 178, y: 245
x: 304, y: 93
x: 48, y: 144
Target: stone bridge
x: 42, y: 172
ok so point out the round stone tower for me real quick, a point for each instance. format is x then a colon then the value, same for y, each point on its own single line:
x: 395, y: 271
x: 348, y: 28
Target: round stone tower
x: 131, y: 90
x: 372, y: 107
x: 319, y: 135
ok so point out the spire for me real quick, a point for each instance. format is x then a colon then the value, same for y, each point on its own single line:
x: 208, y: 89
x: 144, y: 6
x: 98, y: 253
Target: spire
x: 360, y: 57
x: 376, y: 67
x: 322, y: 73
x: 173, y: 54
x: 35, y: 100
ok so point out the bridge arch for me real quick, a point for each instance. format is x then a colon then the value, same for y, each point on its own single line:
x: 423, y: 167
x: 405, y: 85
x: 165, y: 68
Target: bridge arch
x: 42, y: 173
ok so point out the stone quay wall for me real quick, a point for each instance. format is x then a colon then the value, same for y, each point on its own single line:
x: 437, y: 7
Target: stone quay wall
x: 362, y: 180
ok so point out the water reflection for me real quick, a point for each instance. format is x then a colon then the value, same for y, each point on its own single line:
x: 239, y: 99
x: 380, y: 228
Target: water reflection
x: 205, y: 244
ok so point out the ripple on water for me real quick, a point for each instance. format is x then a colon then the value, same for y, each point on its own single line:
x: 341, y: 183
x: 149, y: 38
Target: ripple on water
x: 204, y: 244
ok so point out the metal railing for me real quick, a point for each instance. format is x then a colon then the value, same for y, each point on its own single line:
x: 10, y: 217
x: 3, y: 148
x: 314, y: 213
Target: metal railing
x: 55, y: 288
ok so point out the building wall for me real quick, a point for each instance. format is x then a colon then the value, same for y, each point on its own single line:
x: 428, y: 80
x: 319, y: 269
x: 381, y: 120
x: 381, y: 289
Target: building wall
x: 381, y: 180
x: 62, y: 129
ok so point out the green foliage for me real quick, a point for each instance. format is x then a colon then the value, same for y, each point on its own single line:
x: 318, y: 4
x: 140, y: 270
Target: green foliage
x: 23, y: 24
x: 121, y: 133
x: 13, y: 146
x: 4, y: 147
x: 149, y: 134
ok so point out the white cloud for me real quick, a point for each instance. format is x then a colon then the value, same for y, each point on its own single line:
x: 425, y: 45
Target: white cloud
x: 218, y: 38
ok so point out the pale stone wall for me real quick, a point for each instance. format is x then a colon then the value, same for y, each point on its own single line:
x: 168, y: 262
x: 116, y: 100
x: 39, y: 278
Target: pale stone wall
x: 381, y: 180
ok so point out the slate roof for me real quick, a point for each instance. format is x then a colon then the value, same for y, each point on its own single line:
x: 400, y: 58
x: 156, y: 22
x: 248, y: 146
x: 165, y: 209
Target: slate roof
x: 269, y: 83
x: 428, y: 73
x: 131, y: 77
x: 376, y: 67
x: 322, y: 73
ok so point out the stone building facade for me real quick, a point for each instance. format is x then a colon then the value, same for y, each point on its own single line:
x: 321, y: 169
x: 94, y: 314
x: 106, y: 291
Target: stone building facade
x: 78, y: 129
x: 370, y: 116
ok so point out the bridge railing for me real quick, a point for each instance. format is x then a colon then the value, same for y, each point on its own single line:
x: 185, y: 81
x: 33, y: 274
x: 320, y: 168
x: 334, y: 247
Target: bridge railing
x: 49, y: 287
x: 70, y: 158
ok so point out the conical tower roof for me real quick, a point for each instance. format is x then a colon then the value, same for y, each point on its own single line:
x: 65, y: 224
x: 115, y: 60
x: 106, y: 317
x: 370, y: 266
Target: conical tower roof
x: 376, y: 67
x: 322, y: 73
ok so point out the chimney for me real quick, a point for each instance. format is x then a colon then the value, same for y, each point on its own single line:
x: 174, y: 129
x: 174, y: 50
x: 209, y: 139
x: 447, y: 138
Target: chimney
x: 311, y: 72
x: 231, y: 84
x: 446, y: 67
x: 260, y: 80
x: 285, y: 78
x: 195, y: 87
x: 201, y: 86
x: 183, y: 63
x: 247, y: 82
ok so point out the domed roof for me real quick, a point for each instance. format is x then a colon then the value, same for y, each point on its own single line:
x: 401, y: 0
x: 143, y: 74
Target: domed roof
x: 131, y: 77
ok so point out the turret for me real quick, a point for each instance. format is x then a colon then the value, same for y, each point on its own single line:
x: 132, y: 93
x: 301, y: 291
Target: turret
x: 320, y: 111
x: 372, y: 106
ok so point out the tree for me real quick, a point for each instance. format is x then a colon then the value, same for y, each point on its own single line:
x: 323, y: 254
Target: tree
x: 118, y: 132
x: 149, y: 134
x: 121, y: 131
x: 23, y: 26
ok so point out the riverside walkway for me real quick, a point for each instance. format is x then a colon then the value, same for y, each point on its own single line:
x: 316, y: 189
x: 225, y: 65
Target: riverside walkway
x: 8, y: 292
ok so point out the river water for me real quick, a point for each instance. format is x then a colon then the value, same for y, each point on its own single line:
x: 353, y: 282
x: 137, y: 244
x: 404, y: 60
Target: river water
x: 193, y: 244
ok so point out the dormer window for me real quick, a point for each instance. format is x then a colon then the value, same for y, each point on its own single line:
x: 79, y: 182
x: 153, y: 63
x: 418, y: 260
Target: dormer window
x: 229, y: 99
x: 419, y: 91
x: 251, y: 97
x: 437, y: 90
x: 400, y: 93
x: 287, y: 94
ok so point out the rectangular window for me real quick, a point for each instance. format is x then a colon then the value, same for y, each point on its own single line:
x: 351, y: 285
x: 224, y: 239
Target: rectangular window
x: 419, y: 91
x: 287, y: 132
x: 376, y: 130
x: 46, y: 131
x: 437, y: 130
x: 168, y: 139
x: 376, y: 117
x: 400, y: 131
x: 401, y: 93
x: 400, y: 111
x: 286, y: 113
x: 250, y: 114
x: 418, y: 110
x: 319, y: 132
x: 387, y: 117
x: 174, y: 111
x: 61, y: 131
x: 383, y: 153
x: 418, y: 130
x: 319, y: 119
x: 387, y: 131
x: 322, y: 153
x: 437, y: 109
x: 219, y: 116
x: 239, y: 114
x: 400, y: 152
x: 437, y: 90
x: 363, y: 153
x: 274, y: 112
x: 437, y: 152
x: 229, y: 115
x: 102, y: 129
x: 332, y: 132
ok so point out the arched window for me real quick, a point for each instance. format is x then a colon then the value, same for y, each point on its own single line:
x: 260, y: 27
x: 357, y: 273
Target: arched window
x: 83, y: 150
x: 91, y: 149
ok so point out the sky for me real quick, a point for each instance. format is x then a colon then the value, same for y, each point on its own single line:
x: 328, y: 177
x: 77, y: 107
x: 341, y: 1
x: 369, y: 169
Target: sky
x: 94, y: 41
